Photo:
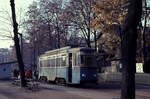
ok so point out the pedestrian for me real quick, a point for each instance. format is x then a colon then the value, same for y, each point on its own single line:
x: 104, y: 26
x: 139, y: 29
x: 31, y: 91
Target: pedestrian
x: 19, y: 75
x: 15, y: 73
x: 28, y: 74
x: 35, y: 73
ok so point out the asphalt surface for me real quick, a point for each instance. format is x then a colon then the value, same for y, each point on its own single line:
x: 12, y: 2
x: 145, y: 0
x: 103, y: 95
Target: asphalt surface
x: 109, y: 90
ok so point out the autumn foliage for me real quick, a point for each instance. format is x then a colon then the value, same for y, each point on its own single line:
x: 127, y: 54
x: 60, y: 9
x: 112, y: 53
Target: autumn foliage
x: 109, y: 16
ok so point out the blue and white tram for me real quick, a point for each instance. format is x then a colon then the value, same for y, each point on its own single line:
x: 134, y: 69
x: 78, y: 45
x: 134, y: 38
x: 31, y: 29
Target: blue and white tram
x: 68, y: 65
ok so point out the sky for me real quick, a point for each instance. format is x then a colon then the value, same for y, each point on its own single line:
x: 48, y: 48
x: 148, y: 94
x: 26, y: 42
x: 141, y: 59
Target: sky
x: 5, y: 16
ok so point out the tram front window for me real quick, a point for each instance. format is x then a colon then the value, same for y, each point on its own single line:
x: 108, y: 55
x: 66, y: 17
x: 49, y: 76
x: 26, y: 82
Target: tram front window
x: 88, y: 60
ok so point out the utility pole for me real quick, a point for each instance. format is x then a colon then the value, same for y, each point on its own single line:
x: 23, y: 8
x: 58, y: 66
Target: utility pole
x: 21, y: 44
x: 34, y: 54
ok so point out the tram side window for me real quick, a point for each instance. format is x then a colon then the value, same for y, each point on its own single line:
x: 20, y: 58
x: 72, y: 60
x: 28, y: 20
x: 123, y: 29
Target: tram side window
x: 53, y: 62
x: 75, y: 60
x: 40, y: 63
x: 45, y: 63
x: 48, y: 63
x: 79, y: 61
x: 63, y: 61
x: 57, y: 62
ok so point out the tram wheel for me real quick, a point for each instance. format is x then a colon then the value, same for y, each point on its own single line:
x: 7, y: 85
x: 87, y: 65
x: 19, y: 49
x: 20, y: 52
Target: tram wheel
x: 60, y: 81
x: 56, y: 81
x: 40, y: 78
x: 43, y: 79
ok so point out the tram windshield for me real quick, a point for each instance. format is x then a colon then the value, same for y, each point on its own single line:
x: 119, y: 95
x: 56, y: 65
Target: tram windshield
x: 88, y: 60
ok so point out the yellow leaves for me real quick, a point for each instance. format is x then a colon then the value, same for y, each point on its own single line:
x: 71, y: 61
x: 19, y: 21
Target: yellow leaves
x: 108, y: 11
x: 110, y: 39
x: 109, y: 15
x: 122, y: 16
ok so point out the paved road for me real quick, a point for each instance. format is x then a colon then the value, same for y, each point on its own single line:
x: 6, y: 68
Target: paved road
x: 50, y: 91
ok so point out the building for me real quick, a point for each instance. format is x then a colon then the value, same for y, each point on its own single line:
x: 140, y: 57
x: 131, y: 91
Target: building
x: 5, y: 68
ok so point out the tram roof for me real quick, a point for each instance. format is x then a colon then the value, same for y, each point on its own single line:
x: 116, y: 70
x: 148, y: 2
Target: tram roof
x: 67, y: 49
x: 60, y: 49
x: 82, y: 49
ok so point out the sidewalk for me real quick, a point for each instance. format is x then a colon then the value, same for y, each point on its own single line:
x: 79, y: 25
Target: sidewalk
x: 10, y: 91
x: 52, y: 91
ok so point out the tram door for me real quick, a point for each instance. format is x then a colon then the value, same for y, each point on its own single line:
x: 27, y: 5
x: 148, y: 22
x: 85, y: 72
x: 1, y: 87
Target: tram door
x: 70, y: 68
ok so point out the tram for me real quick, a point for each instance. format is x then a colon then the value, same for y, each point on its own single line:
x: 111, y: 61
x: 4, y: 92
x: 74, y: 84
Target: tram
x: 68, y: 65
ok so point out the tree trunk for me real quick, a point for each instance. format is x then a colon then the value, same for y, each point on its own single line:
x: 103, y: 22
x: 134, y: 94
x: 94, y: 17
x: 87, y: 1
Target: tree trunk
x: 88, y: 38
x: 17, y: 46
x: 95, y: 40
x: 89, y: 23
x: 128, y: 49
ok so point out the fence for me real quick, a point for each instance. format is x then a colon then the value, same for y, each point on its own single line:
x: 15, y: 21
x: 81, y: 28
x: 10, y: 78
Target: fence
x: 140, y: 78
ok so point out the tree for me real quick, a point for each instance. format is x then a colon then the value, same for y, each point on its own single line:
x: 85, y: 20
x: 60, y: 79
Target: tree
x: 146, y: 61
x: 17, y: 46
x: 81, y: 17
x: 109, y: 17
x: 128, y: 15
x: 128, y: 50
x: 47, y: 21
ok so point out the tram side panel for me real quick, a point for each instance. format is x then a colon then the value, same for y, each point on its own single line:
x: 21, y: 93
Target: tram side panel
x: 61, y: 68
x: 51, y: 74
x: 61, y: 73
x: 46, y: 70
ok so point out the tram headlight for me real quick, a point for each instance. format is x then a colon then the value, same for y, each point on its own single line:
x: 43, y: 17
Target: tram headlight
x: 83, y: 75
x: 95, y: 75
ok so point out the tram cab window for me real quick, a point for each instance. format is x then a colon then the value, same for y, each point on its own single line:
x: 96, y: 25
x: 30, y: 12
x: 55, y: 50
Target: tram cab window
x: 88, y: 60
x: 82, y: 59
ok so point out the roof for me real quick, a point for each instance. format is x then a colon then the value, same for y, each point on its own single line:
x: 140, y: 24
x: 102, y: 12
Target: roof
x: 66, y: 50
